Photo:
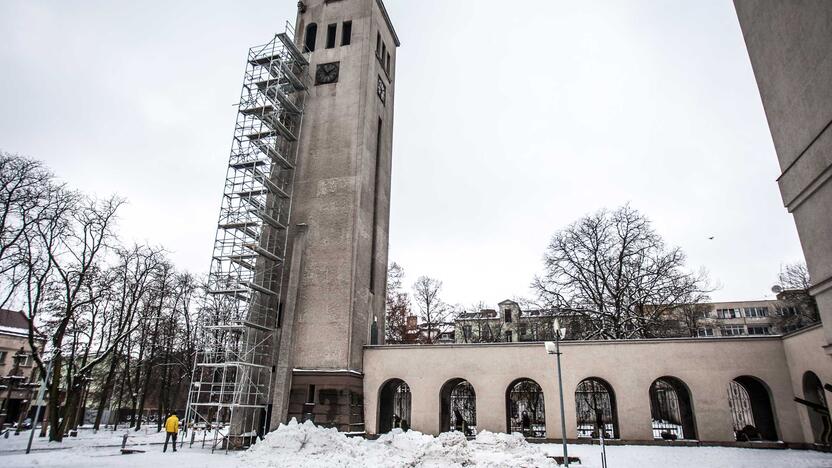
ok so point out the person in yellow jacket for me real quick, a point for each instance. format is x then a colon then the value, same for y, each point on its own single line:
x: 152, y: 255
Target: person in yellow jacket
x: 171, y: 428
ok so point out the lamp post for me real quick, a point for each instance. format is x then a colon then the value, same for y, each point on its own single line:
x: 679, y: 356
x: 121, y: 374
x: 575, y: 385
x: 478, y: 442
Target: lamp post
x: 554, y: 348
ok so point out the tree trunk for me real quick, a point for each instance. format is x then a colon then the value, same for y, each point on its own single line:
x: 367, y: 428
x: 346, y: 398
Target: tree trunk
x: 54, y: 400
x: 105, y: 392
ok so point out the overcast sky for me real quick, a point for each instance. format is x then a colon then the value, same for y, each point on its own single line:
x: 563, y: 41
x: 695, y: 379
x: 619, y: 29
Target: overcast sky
x: 512, y: 120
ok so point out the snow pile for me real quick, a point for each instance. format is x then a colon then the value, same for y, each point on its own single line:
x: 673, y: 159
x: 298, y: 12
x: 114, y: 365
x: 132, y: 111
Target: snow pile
x: 493, y: 450
x: 307, y: 445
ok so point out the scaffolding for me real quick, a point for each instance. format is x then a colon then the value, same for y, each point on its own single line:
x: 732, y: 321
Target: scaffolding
x: 229, y: 394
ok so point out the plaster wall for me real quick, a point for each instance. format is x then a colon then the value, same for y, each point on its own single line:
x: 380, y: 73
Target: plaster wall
x: 804, y: 353
x: 706, y: 366
x: 788, y: 44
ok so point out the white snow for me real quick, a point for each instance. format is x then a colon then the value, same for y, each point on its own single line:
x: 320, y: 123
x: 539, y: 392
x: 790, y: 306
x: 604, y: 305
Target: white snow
x: 305, y: 445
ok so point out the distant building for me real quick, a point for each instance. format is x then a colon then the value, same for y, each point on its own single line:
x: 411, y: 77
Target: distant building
x: 512, y: 324
x: 18, y: 372
x: 509, y: 323
x: 771, y: 317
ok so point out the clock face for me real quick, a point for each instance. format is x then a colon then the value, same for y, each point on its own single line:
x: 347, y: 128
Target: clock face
x: 327, y: 73
x: 381, y: 89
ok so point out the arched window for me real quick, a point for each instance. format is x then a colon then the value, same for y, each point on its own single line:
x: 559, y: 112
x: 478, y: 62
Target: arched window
x: 751, y: 409
x: 671, y: 410
x: 525, y: 411
x: 393, y: 406
x: 818, y: 409
x: 595, y: 409
x: 309, y: 37
x: 458, y: 407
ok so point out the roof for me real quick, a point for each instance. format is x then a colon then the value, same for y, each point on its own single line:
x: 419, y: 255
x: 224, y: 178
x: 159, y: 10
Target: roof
x: 13, y: 319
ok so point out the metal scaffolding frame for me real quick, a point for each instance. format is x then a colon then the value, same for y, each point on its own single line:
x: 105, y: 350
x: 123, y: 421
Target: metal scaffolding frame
x: 229, y: 394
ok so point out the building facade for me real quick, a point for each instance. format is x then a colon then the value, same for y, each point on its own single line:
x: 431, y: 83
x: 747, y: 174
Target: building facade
x: 335, y: 294
x: 17, y: 368
x: 788, y: 44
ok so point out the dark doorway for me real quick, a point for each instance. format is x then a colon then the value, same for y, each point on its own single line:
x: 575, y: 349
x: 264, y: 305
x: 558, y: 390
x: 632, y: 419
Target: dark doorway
x: 819, y: 417
x: 671, y: 409
x: 393, y: 406
x: 751, y: 410
x: 458, y: 407
x: 595, y: 409
x: 525, y: 410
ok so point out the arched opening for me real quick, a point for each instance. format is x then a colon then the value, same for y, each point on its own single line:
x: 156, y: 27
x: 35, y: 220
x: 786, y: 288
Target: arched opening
x: 393, y: 406
x: 751, y: 409
x: 671, y: 409
x: 815, y: 402
x: 458, y: 407
x: 309, y: 37
x: 595, y: 409
x: 525, y: 411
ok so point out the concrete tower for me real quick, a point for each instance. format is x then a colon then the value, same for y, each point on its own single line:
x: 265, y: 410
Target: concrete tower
x: 335, y: 292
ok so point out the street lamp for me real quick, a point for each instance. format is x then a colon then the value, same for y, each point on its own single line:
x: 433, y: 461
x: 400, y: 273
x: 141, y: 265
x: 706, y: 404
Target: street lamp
x: 554, y: 348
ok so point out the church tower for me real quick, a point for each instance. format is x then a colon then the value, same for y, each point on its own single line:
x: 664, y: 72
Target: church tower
x: 334, y: 296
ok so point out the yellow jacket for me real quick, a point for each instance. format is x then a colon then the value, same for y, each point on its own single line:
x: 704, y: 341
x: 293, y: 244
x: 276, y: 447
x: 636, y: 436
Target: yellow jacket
x: 172, y: 424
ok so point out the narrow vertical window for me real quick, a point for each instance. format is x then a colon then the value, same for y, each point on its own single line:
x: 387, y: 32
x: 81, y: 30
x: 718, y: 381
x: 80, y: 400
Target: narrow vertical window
x: 309, y: 37
x: 346, y: 33
x: 330, y: 35
x: 387, y: 63
x: 378, y: 44
x: 376, y: 177
x: 383, y: 52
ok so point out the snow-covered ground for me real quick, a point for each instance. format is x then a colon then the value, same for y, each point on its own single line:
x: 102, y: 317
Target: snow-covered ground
x: 304, y: 445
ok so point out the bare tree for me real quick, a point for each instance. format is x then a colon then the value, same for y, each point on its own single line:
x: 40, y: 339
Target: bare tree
x: 397, y: 306
x: 690, y: 315
x: 433, y: 312
x: 795, y: 281
x: 794, y: 276
x: 614, y: 269
x: 26, y: 200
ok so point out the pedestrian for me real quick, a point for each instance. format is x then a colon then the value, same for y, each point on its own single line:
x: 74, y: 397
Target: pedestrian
x: 171, y: 429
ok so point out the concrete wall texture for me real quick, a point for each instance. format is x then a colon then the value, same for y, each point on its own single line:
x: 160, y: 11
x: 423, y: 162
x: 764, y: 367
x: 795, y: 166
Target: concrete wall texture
x: 339, y: 185
x: 706, y: 366
x: 789, y: 46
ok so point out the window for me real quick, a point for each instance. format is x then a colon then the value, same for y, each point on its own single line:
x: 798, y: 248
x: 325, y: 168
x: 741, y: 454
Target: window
x: 788, y: 311
x: 509, y: 337
x: 733, y: 330
x: 756, y: 311
x: 706, y: 314
x: 373, y: 249
x: 346, y: 33
x: 387, y: 63
x: 310, y: 394
x: 522, y: 330
x: 378, y: 44
x: 728, y: 313
x: 507, y: 313
x: 3, y: 357
x: 704, y: 332
x: 330, y: 35
x: 466, y: 331
x: 759, y: 330
x: 383, y: 51
x: 309, y: 37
